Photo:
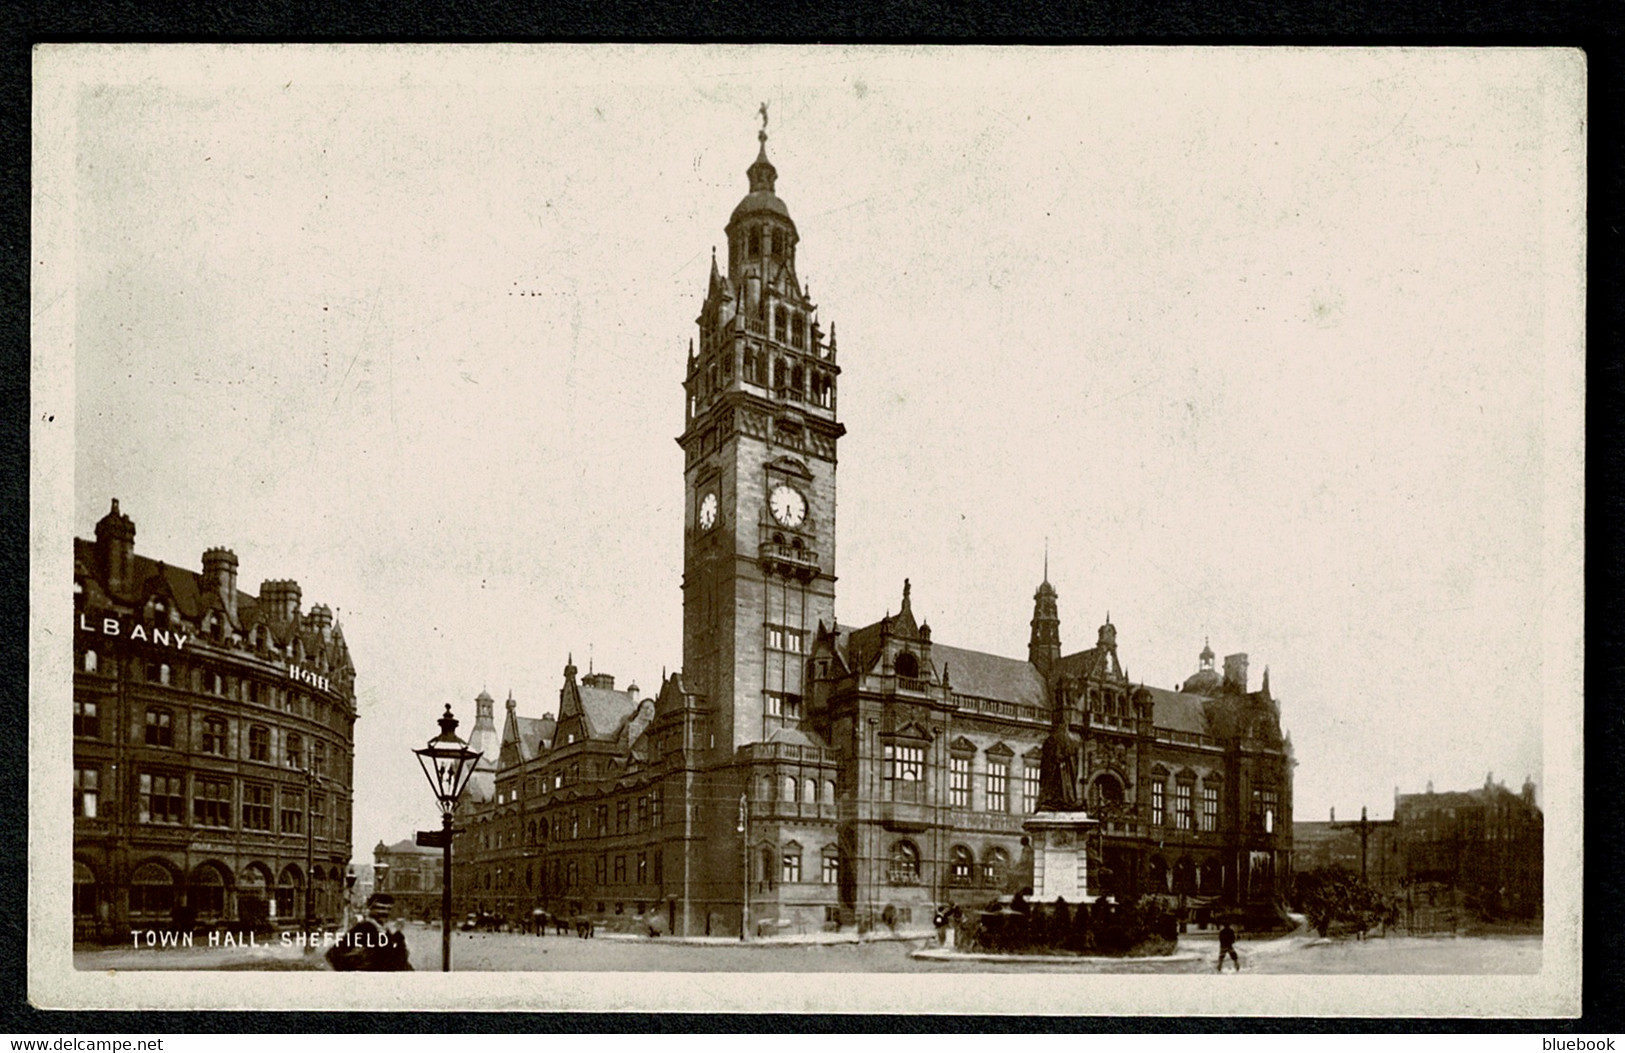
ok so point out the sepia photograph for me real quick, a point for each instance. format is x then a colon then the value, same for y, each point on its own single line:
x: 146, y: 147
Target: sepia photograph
x: 690, y: 528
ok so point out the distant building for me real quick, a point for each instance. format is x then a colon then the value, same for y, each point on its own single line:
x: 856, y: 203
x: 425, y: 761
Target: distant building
x: 1317, y: 845
x: 1477, y: 850
x: 213, y: 737
x: 1485, y: 845
x: 802, y: 773
x: 410, y: 873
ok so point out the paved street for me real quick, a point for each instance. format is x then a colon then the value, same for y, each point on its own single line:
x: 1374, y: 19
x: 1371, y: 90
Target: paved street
x: 518, y: 953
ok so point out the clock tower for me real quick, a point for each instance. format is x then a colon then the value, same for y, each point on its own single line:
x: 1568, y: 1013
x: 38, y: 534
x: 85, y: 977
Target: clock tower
x: 759, y: 473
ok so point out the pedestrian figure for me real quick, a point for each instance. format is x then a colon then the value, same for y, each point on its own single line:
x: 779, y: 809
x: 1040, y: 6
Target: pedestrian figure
x: 940, y: 920
x: 372, y: 944
x: 888, y: 917
x: 1227, y: 945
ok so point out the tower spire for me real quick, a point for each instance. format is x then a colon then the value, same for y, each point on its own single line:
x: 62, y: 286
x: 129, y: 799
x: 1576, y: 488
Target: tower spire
x: 1044, y: 645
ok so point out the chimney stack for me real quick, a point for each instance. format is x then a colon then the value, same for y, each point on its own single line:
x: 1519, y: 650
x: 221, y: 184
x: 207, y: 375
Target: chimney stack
x: 115, y: 548
x: 320, y: 618
x: 220, y: 571
x: 1235, y: 672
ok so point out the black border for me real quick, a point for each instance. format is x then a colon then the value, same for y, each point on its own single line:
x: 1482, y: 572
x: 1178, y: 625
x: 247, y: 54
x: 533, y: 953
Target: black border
x: 1176, y: 22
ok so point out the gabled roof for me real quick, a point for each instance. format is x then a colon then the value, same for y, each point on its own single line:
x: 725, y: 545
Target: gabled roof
x: 409, y: 847
x: 535, y: 734
x: 604, y: 710
x: 1084, y: 663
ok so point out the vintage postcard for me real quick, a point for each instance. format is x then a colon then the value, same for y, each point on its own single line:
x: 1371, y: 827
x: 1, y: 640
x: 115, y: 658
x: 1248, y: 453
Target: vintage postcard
x: 1071, y: 530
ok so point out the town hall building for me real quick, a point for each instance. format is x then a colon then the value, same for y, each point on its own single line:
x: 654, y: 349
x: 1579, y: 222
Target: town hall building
x: 802, y: 772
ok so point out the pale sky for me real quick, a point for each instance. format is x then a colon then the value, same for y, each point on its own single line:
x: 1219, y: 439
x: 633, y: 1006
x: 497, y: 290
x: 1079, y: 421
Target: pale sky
x: 1273, y: 347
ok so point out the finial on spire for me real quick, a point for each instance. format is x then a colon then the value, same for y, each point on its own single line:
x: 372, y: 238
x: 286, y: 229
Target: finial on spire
x: 762, y: 109
x: 1046, y: 558
x: 905, y: 592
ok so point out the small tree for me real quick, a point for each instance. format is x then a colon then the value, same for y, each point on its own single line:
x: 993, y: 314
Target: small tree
x: 1336, y: 895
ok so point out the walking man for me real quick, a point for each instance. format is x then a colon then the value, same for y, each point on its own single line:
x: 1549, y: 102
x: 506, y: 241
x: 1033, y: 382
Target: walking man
x: 1227, y: 945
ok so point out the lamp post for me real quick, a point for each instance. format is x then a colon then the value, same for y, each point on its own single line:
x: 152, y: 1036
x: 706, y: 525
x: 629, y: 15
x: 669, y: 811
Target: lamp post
x: 310, y: 846
x: 449, y: 764
x: 744, y: 885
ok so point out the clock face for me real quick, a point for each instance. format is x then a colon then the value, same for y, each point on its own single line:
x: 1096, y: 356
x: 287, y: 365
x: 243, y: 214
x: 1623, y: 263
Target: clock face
x: 708, y: 511
x: 787, y: 505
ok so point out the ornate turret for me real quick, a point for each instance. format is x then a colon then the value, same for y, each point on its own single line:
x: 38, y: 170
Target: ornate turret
x: 1044, y: 645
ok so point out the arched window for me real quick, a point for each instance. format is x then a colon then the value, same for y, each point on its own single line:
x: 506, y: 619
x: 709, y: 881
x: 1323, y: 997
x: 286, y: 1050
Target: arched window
x: 1161, y: 878
x: 809, y: 791
x: 995, y: 867
x: 1184, y: 876
x: 293, y: 753
x: 1106, y: 793
x: 207, y: 895
x: 152, y: 893
x: 829, y: 791
x: 797, y: 381
x: 84, y: 891
x: 768, y: 870
x: 961, y: 865
x: 781, y: 374
x: 755, y: 241
x: 907, y: 665
x: 829, y: 870
x: 288, y: 888
x: 904, y: 864
x: 789, y: 789
x: 781, y: 325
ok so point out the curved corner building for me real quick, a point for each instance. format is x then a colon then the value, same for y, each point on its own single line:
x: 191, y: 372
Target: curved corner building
x: 213, y: 739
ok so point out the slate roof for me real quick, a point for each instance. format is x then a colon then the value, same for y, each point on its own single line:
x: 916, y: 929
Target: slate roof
x: 1178, y: 711
x: 992, y: 676
x: 535, y: 734
x: 604, y: 709
x: 1083, y: 663
x: 194, y: 598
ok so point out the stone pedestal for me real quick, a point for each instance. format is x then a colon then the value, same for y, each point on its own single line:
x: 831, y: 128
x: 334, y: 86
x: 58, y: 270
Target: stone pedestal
x: 1060, y: 861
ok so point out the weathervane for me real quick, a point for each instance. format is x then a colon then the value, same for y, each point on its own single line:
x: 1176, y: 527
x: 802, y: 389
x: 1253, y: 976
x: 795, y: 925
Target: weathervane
x: 763, y: 111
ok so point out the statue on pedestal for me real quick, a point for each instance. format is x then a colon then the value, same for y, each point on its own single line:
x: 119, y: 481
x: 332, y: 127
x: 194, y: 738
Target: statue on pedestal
x: 1060, y: 766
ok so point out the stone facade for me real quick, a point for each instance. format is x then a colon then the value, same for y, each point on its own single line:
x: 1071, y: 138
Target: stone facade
x: 800, y: 773
x: 213, y: 737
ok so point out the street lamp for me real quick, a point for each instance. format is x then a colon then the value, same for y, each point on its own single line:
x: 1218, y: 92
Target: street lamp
x: 449, y: 764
